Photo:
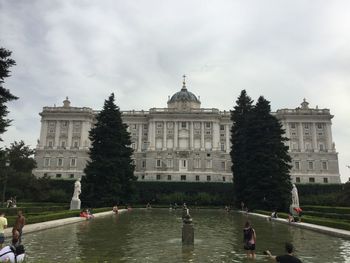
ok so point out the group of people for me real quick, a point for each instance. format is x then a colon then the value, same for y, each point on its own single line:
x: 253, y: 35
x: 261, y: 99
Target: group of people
x: 86, y: 213
x: 249, y: 241
x: 15, y: 251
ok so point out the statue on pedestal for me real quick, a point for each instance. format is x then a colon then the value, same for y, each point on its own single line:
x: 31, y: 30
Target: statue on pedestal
x: 294, y: 208
x: 76, y: 203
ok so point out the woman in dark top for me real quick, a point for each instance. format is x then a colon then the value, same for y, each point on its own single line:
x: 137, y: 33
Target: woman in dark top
x: 249, y: 240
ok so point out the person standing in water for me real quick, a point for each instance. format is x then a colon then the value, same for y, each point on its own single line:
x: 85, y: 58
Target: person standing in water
x: 249, y: 240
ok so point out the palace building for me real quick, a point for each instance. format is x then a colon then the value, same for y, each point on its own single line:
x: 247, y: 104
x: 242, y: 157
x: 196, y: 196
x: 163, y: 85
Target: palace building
x: 183, y: 142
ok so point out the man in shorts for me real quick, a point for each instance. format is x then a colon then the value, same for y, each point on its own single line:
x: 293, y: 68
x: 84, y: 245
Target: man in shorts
x: 288, y: 258
x: 18, y: 227
x: 3, y: 225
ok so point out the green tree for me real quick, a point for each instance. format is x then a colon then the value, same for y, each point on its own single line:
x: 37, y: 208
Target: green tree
x: 110, y: 171
x: 239, y: 145
x: 5, y: 95
x: 19, y: 178
x: 268, y: 162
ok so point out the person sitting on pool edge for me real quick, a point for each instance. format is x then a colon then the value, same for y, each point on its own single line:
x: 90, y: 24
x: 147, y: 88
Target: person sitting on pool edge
x: 288, y: 258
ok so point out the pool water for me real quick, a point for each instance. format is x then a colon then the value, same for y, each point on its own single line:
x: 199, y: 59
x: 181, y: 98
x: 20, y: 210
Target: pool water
x: 155, y: 236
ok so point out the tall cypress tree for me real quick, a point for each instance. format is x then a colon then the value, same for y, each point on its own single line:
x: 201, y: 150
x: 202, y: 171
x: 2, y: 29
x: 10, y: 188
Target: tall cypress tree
x: 268, y: 162
x: 5, y: 95
x: 110, y: 172
x: 239, y: 142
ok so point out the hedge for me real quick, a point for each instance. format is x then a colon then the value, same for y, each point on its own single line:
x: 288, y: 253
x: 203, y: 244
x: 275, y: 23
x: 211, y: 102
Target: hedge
x: 328, y: 215
x: 32, y: 210
x: 327, y: 209
x: 37, y: 218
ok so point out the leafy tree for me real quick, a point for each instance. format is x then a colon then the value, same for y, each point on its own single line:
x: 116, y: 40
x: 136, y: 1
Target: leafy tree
x: 5, y: 95
x: 19, y: 178
x: 110, y: 172
x: 268, y: 162
x: 239, y: 142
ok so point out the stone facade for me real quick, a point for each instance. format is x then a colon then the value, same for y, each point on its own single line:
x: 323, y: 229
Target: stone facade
x: 183, y: 142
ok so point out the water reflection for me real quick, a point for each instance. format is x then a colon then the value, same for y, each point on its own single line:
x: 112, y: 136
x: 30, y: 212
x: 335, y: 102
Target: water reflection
x: 155, y: 236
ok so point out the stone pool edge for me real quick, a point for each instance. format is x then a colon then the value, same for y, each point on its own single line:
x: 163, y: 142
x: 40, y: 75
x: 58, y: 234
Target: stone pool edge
x: 322, y: 229
x: 30, y: 228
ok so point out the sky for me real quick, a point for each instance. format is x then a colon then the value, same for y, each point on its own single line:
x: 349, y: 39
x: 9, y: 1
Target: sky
x: 283, y: 50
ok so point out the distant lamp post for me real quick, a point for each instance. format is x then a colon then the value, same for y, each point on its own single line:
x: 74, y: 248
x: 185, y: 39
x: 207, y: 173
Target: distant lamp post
x: 5, y: 171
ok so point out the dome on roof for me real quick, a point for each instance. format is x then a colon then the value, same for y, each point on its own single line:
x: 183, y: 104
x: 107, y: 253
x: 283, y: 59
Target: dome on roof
x: 184, y: 99
x: 184, y: 95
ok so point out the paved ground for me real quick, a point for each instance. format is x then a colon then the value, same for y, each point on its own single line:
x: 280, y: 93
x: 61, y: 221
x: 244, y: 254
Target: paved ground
x: 55, y: 223
x: 323, y: 229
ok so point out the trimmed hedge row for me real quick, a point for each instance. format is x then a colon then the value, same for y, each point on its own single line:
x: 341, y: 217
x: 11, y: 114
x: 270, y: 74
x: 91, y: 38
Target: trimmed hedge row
x: 43, y: 217
x: 340, y: 224
x: 328, y: 215
x: 327, y: 209
x: 32, y: 210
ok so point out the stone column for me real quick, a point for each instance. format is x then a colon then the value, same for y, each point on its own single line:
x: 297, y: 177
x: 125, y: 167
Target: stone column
x: 176, y: 135
x: 191, y: 135
x: 139, y: 141
x: 202, y: 136
x: 84, y: 134
x: 151, y: 135
x: 329, y: 137
x: 70, y: 134
x: 216, y: 136
x: 43, y: 133
x: 227, y: 138
x: 57, y: 134
x: 164, y: 135
x: 301, y: 137
x: 314, y: 138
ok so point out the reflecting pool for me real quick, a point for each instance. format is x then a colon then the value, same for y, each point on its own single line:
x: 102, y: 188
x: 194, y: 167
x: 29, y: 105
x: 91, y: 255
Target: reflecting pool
x: 155, y: 236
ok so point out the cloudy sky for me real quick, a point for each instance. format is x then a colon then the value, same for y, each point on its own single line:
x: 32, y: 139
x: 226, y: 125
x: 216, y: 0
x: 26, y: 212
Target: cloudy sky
x: 284, y: 50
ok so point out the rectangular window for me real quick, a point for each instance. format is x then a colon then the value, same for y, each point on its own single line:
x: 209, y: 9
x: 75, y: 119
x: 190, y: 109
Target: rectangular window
x: 145, y: 126
x: 183, y: 177
x: 169, y: 177
x: 50, y: 144
x: 60, y: 162
x: 133, y: 146
x: 143, y: 164
x: 208, y: 178
x: 319, y: 126
x: 73, y: 162
x: 170, y: 163
x: 159, y: 125
x: 297, y: 179
x: 197, y: 163
x: 143, y: 177
x: 222, y: 127
x: 311, y: 180
x: 224, y: 179
x: 159, y: 132
x: 311, y: 165
x: 222, y: 146
x: 197, y: 177
x: 223, y: 166
x: 324, y: 165
x: 292, y: 125
x: 63, y: 144
x: 208, y: 132
x: 75, y: 144
x: 321, y: 146
x: 184, y: 125
x: 46, y: 162
x: 158, y: 176
x: 297, y: 165
x: 71, y: 176
x: 209, y: 164
x: 208, y: 125
x: 306, y: 126
x: 58, y: 175
x: 325, y: 180
x: 158, y: 163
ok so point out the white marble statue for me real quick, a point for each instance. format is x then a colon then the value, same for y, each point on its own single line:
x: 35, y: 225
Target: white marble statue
x: 77, y: 189
x: 295, y: 197
x: 75, y: 202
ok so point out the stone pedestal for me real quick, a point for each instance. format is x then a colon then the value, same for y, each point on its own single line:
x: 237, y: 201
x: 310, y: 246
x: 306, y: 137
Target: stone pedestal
x: 75, y: 204
x: 187, y: 231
